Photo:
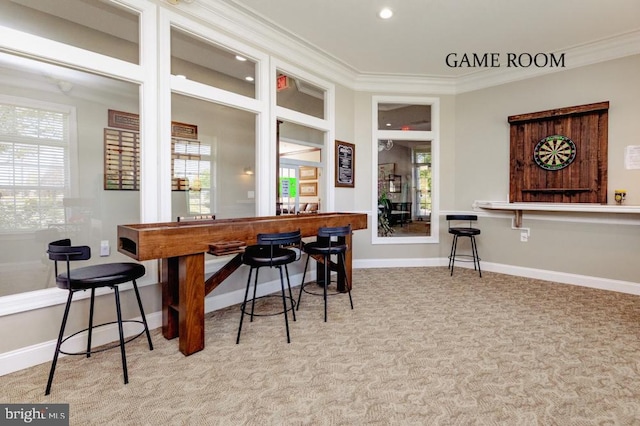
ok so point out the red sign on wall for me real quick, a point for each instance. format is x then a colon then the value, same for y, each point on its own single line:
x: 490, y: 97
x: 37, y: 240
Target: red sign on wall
x: 282, y: 82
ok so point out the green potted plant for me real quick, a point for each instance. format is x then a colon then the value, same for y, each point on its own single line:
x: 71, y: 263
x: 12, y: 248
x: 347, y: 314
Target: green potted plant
x: 384, y: 229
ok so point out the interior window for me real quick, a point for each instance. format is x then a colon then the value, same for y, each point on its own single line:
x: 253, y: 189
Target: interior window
x: 405, y: 180
x: 34, y: 158
x: 198, y: 60
x: 300, y: 169
x: 53, y: 164
x: 96, y: 25
x: 393, y: 116
x: 299, y: 95
x: 213, y: 168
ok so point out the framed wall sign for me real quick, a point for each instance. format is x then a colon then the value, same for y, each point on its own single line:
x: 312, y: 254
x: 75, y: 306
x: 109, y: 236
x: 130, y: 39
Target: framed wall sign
x: 345, y: 162
x: 308, y: 189
x: 385, y: 170
x: 308, y: 173
x: 395, y: 183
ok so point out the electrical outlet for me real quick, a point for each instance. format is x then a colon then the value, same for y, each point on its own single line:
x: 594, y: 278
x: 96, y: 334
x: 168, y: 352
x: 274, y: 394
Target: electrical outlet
x: 105, y: 250
x: 524, y: 236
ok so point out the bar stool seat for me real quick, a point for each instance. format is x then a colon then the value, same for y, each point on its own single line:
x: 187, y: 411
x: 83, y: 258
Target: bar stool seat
x: 91, y: 278
x: 259, y: 256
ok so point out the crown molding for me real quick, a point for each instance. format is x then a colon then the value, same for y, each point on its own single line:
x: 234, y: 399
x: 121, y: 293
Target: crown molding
x: 241, y: 23
x: 255, y: 30
x: 395, y: 83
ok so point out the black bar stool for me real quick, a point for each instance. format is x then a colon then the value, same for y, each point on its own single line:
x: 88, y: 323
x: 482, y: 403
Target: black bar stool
x: 272, y: 250
x: 330, y: 241
x: 90, y: 278
x: 464, y: 231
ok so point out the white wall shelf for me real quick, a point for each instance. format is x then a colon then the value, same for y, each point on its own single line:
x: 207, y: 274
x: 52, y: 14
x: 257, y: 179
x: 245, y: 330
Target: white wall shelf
x: 519, y: 208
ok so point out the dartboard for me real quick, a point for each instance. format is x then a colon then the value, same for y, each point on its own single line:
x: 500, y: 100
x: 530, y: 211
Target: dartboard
x: 554, y: 152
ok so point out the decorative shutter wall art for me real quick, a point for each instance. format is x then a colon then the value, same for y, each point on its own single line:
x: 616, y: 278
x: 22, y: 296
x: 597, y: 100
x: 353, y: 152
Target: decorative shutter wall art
x: 122, y: 151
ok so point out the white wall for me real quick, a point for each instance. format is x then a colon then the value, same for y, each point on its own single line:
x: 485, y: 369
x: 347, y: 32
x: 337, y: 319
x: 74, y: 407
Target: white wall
x: 557, y: 243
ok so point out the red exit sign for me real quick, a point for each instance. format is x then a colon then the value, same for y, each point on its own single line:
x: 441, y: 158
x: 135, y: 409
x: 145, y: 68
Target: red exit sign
x: 282, y: 82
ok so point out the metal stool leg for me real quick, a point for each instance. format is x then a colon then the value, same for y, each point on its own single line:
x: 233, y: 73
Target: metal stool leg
x: 255, y: 289
x: 243, y: 306
x: 451, y: 252
x: 304, y: 274
x: 60, y: 336
x: 454, y: 249
x: 293, y: 311
x: 474, y: 247
x: 144, y: 318
x: 284, y: 304
x: 90, y: 329
x: 121, y: 331
x: 327, y: 280
x: 348, y: 284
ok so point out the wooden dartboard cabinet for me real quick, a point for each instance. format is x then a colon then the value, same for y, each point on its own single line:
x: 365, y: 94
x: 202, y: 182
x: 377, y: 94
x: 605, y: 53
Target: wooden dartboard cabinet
x: 560, y: 155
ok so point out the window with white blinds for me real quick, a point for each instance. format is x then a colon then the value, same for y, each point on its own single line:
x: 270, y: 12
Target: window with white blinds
x: 191, y: 168
x: 34, y: 151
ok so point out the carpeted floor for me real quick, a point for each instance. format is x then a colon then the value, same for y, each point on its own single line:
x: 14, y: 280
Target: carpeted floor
x: 420, y: 348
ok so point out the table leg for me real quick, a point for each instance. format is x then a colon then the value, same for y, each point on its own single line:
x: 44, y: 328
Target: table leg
x: 191, y: 307
x: 183, y: 292
x: 169, y: 280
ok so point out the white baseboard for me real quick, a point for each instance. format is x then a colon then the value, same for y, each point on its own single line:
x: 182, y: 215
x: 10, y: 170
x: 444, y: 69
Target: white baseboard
x: 564, y: 278
x: 40, y: 353
x: 539, y: 274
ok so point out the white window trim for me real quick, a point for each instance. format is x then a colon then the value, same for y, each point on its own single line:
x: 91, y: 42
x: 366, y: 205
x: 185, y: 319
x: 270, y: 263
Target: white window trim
x: 172, y: 84
x: 43, y: 49
x: 326, y: 125
x: 434, y: 136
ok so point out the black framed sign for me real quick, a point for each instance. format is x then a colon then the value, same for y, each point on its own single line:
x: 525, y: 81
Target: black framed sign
x: 345, y: 164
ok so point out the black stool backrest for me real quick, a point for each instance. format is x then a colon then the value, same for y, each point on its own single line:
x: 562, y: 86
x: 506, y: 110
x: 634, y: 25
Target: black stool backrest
x: 63, y: 251
x: 461, y: 217
x: 326, y: 233
x: 281, y: 239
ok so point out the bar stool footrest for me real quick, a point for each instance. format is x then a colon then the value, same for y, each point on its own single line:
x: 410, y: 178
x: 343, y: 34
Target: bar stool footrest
x: 320, y: 290
x: 270, y: 314
x: 464, y: 258
x: 105, y: 347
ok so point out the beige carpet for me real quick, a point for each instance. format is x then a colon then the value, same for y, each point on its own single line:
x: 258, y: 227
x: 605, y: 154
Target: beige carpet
x: 420, y: 348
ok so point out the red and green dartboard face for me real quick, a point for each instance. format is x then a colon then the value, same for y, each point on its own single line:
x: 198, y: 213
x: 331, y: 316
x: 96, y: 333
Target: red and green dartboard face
x: 554, y: 152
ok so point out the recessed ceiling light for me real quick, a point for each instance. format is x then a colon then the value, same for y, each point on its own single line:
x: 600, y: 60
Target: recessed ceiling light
x: 248, y: 78
x: 181, y: 76
x: 386, y: 13
x: 241, y: 58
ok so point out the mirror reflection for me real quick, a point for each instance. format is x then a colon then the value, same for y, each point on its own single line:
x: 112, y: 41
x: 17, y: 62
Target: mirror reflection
x: 404, y: 188
x: 212, y: 170
x: 300, y: 169
x: 54, y: 129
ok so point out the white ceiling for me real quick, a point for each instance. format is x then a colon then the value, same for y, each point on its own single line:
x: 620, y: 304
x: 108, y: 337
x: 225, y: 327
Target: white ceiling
x: 416, y: 41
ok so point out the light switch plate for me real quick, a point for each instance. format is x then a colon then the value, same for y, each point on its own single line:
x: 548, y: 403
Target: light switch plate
x: 105, y: 250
